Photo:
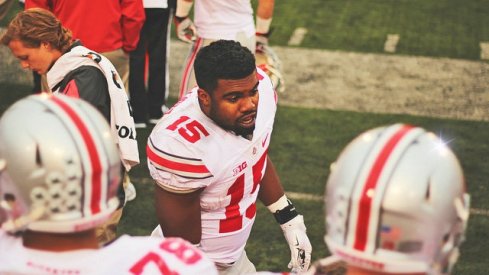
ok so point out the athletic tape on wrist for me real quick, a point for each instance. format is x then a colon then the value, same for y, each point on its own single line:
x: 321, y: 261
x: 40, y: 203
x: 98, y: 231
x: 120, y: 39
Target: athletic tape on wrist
x: 263, y: 25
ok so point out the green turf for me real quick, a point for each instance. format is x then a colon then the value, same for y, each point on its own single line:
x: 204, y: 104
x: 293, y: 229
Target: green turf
x: 444, y: 28
x: 14, y: 8
x: 439, y: 28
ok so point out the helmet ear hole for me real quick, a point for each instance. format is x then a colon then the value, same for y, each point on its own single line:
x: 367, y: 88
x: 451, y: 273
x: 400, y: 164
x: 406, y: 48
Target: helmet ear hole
x: 428, y: 191
x: 38, y: 156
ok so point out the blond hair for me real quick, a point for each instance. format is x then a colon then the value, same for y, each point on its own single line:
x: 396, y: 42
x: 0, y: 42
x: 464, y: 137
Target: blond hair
x: 35, y: 26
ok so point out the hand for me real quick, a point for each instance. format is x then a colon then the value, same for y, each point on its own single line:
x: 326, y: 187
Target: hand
x: 299, y: 244
x: 185, y: 29
x: 261, y: 41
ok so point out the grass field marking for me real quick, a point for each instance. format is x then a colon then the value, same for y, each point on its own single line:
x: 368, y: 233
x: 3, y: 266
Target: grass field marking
x: 318, y: 198
x: 302, y: 196
x: 484, y: 50
x: 297, y: 37
x: 391, y: 43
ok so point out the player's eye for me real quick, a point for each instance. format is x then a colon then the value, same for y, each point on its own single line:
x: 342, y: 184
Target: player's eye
x: 254, y: 92
x: 233, y: 99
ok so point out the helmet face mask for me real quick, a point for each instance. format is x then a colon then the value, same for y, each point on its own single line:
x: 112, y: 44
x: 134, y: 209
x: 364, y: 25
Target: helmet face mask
x: 396, y: 202
x: 61, y: 167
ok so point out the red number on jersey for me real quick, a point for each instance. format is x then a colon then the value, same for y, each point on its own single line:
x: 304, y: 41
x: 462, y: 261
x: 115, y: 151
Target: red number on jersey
x: 152, y: 257
x: 234, y: 220
x: 190, y: 131
x: 180, y: 249
x: 186, y: 253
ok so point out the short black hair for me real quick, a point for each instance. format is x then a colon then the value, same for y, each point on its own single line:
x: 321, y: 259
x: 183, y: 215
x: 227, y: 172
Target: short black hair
x: 222, y: 59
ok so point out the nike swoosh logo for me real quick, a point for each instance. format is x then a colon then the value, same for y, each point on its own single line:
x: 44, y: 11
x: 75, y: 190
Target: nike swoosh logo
x: 264, y: 141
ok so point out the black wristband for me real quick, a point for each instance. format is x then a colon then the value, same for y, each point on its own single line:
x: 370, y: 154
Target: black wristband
x: 180, y: 19
x: 286, y: 214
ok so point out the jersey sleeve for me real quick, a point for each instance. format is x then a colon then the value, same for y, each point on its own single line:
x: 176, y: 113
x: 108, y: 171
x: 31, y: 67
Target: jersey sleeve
x: 174, y: 166
x: 132, y: 20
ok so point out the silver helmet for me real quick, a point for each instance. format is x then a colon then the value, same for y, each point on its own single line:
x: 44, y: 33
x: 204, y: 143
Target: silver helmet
x: 396, y: 202
x: 59, y: 166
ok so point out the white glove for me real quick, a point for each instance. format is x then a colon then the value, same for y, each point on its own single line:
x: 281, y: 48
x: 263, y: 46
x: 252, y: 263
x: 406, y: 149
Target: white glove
x: 261, y: 42
x: 185, y: 29
x: 299, y: 244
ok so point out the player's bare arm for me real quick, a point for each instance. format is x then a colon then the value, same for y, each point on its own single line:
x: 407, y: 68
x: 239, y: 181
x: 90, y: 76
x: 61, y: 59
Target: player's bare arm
x: 179, y: 214
x: 265, y: 9
x: 292, y: 223
x: 270, y: 187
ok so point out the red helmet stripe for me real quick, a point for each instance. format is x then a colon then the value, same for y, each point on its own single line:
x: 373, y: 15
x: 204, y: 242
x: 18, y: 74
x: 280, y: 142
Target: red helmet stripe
x: 364, y: 208
x: 92, y: 152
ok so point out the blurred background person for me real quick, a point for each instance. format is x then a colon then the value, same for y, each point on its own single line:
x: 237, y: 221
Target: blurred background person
x: 105, y: 26
x: 148, y: 98
x: 220, y: 19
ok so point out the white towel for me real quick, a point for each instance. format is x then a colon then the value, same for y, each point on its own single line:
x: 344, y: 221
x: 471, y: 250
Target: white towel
x: 121, y: 120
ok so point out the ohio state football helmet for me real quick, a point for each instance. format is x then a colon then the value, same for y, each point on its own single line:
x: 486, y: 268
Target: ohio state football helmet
x: 270, y: 63
x: 396, y: 202
x: 59, y: 166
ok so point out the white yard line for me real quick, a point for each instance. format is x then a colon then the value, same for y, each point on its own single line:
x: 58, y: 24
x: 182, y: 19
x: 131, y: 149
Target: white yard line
x: 484, y: 50
x: 306, y: 197
x: 391, y: 43
x: 317, y: 198
x: 297, y: 37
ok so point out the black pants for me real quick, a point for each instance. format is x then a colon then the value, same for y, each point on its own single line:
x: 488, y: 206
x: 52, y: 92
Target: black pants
x: 153, y: 42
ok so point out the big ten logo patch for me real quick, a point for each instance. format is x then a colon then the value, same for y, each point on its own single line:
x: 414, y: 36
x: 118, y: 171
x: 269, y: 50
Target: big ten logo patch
x: 239, y: 168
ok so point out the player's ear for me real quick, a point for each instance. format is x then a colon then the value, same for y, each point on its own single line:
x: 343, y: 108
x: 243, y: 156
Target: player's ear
x: 204, y: 97
x: 46, y: 45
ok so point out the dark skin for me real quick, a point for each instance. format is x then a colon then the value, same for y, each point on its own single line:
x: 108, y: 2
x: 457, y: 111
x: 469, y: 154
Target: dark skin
x: 58, y: 242
x: 233, y: 106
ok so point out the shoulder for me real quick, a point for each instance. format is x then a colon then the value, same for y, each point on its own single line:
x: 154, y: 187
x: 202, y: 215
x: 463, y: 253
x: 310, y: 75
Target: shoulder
x: 175, y: 152
x: 170, y: 154
x: 88, y: 79
x: 87, y: 74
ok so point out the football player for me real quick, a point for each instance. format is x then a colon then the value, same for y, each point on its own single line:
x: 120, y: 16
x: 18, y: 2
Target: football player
x: 209, y: 158
x: 42, y: 44
x: 396, y: 203
x: 220, y: 19
x: 59, y: 174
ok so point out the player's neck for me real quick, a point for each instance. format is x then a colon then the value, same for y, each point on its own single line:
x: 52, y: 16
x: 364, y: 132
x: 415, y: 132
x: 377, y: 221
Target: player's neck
x: 60, y: 242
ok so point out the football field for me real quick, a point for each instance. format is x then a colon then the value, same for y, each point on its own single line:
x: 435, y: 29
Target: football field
x: 307, y: 140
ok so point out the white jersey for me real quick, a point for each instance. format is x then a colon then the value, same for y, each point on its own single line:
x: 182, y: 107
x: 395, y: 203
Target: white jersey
x: 223, y: 19
x: 155, y: 4
x: 187, y: 150
x: 126, y: 255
